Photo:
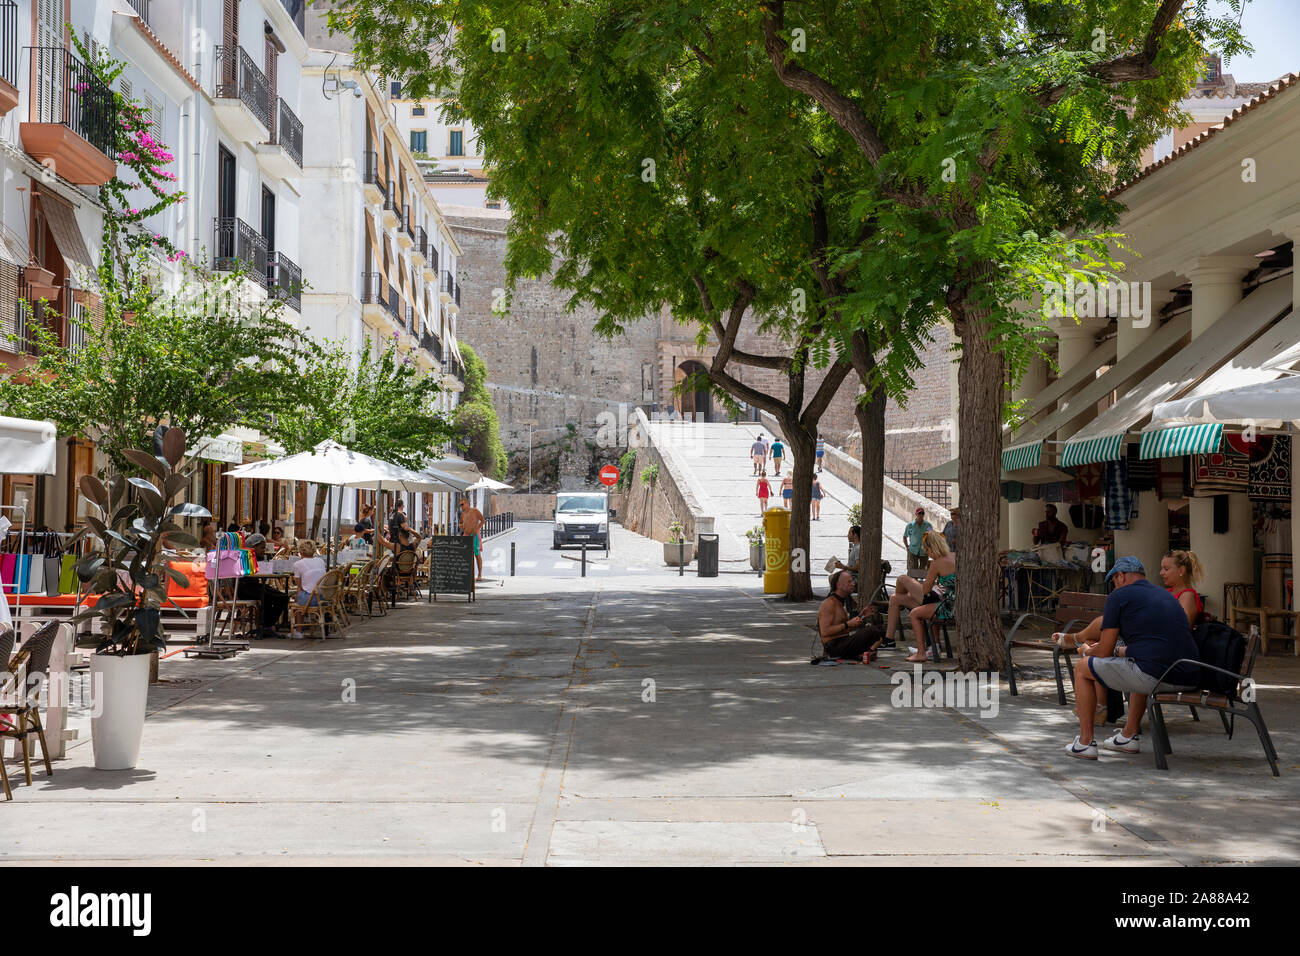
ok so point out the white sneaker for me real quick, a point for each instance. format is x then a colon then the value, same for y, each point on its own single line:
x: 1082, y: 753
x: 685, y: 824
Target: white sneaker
x: 1076, y: 749
x: 296, y: 636
x: 1119, y: 743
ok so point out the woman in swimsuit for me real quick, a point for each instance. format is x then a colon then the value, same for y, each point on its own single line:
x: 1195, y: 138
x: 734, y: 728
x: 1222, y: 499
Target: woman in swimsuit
x: 816, y: 499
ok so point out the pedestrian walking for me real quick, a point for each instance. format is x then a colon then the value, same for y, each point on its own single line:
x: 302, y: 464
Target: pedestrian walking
x: 778, y: 452
x: 758, y: 453
x: 763, y: 490
x: 816, y: 503
x: 950, y: 530
x: 787, y: 490
x: 914, y: 537
x: 821, y: 450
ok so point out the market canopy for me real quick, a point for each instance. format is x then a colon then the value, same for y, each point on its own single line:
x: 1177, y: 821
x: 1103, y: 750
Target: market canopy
x: 1038, y: 475
x: 1103, y: 438
x: 1195, y: 432
x: 1265, y: 405
x: 330, y: 463
x: 491, y: 484
x: 27, y: 447
x: 1027, y: 450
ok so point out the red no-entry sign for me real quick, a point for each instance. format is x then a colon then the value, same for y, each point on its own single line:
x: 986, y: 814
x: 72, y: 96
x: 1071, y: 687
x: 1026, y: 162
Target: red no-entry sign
x: 609, y: 475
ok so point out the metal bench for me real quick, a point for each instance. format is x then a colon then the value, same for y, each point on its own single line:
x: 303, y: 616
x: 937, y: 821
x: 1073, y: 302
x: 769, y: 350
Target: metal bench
x: 1242, y: 704
x: 1075, y: 608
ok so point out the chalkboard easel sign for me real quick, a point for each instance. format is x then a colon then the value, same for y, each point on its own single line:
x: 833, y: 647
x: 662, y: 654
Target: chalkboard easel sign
x: 451, y: 566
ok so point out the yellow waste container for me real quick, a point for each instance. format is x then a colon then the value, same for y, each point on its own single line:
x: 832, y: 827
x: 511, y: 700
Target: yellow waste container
x: 776, y: 531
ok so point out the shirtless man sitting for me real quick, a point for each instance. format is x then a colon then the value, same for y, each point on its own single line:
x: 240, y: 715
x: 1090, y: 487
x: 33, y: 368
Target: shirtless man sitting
x: 840, y: 626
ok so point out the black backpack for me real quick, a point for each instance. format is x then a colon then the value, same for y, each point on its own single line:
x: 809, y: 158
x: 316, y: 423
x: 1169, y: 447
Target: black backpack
x: 1219, y: 645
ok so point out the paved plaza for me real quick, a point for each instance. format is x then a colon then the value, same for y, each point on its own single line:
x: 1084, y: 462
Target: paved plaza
x: 634, y: 717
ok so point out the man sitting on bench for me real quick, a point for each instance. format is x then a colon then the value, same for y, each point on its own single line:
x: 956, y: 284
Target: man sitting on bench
x: 1156, y: 633
x: 840, y: 626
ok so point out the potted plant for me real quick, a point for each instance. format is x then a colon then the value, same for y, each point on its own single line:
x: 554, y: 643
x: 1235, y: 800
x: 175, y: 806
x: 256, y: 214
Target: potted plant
x: 137, y: 528
x: 756, y: 537
x: 676, y: 552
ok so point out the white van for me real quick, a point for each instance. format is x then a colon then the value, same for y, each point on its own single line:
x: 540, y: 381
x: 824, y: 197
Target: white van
x: 581, y: 517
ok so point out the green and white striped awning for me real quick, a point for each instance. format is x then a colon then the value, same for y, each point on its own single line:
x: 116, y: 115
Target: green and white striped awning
x: 1022, y: 456
x: 1089, y: 450
x: 1182, y: 440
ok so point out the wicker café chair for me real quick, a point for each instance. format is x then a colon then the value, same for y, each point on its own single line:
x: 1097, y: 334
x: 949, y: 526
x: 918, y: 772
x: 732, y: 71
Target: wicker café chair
x: 379, y: 581
x: 354, y: 588
x: 6, y: 648
x: 322, y: 606
x: 406, y: 566
x: 32, y: 658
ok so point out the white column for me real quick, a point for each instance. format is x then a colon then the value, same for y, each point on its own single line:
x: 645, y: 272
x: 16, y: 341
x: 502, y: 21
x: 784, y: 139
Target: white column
x: 1148, y: 535
x: 1077, y: 339
x: 1020, y: 517
x: 1216, y: 288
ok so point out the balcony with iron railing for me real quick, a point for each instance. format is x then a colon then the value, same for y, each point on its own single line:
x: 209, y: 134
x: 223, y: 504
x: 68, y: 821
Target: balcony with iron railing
x: 456, y: 295
x: 395, y: 306
x: 421, y: 244
x: 429, y: 342
x: 372, y: 179
x: 72, y: 117
x: 141, y: 7
x: 391, y: 209
x: 284, y: 278
x: 410, y: 320
x: 243, y: 98
x: 282, y: 154
x: 405, y: 232
x: 238, y: 246
x: 8, y: 55
x: 372, y: 288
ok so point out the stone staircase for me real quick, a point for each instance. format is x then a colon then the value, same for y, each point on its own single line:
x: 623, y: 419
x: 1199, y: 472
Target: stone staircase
x: 714, y: 463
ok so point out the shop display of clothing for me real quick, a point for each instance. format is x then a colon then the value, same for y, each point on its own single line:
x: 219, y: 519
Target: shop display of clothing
x: 1270, y: 469
x: 1118, y: 495
x: 1087, y: 479
x: 1170, y: 481
x: 1224, y: 472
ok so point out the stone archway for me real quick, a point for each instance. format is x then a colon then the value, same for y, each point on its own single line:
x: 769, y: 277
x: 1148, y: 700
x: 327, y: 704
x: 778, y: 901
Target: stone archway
x: 698, y: 403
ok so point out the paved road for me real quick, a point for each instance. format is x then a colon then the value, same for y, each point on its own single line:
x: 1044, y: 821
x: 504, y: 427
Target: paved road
x: 625, y: 719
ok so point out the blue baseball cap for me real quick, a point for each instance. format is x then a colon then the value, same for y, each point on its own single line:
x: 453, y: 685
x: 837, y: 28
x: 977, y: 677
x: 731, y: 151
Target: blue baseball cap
x: 1128, y: 564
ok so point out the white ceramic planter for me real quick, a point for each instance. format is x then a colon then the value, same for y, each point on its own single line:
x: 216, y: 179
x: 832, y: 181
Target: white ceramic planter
x: 122, y: 686
x: 756, y: 557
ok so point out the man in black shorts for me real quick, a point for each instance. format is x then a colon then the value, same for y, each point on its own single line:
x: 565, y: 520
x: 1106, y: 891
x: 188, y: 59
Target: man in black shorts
x: 840, y: 626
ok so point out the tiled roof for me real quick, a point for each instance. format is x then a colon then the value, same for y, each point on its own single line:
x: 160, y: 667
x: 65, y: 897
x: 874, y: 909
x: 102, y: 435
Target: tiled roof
x: 1270, y: 91
x: 166, y: 53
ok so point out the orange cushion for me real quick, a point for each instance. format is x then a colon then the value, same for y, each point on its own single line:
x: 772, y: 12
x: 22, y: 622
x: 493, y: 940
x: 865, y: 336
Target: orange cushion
x: 186, y: 602
x: 42, y: 600
x: 195, y: 571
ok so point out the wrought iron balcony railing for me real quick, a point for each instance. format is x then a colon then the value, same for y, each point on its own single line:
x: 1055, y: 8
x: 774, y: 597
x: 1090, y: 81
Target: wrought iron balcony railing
x: 67, y: 92
x: 394, y: 305
x: 284, y: 277
x: 390, y: 201
x: 429, y: 342
x: 238, y: 77
x: 407, y: 227
x: 456, y: 295
x: 9, y: 41
x: 372, y: 288
x: 373, y: 177
x: 239, y: 246
x: 142, y: 8
x: 288, y: 133
x: 448, y: 283
x: 422, y: 242
x: 433, y: 258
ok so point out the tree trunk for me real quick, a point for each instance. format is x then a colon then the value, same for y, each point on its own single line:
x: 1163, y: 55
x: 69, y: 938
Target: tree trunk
x: 317, y: 510
x: 979, y: 471
x: 802, y: 446
x: 870, y: 414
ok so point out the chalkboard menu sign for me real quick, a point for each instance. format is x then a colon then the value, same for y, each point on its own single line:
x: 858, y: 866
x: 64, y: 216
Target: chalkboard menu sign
x: 451, y: 565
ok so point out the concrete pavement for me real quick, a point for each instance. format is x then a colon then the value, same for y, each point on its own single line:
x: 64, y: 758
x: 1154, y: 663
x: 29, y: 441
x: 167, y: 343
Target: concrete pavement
x: 634, y: 718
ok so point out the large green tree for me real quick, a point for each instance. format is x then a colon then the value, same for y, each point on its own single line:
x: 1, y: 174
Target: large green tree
x: 203, y: 361
x: 646, y: 170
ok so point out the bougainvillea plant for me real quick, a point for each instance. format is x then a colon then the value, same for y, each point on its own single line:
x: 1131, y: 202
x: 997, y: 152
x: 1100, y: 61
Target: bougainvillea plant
x: 142, y: 163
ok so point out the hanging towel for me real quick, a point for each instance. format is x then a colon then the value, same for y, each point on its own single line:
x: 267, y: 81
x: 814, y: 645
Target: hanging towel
x: 1169, y: 481
x: 1119, y: 498
x: 1143, y: 474
x: 1088, y: 480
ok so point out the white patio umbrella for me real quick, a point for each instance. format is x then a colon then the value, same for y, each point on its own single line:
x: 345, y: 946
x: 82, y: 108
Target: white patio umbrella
x: 457, y: 472
x: 491, y: 484
x: 331, y: 464
x: 26, y: 448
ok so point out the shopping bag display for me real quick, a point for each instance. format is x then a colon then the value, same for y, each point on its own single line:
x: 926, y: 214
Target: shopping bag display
x: 67, y: 576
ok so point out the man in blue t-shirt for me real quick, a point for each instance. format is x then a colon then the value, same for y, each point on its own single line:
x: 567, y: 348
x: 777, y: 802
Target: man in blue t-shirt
x: 1154, y: 629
